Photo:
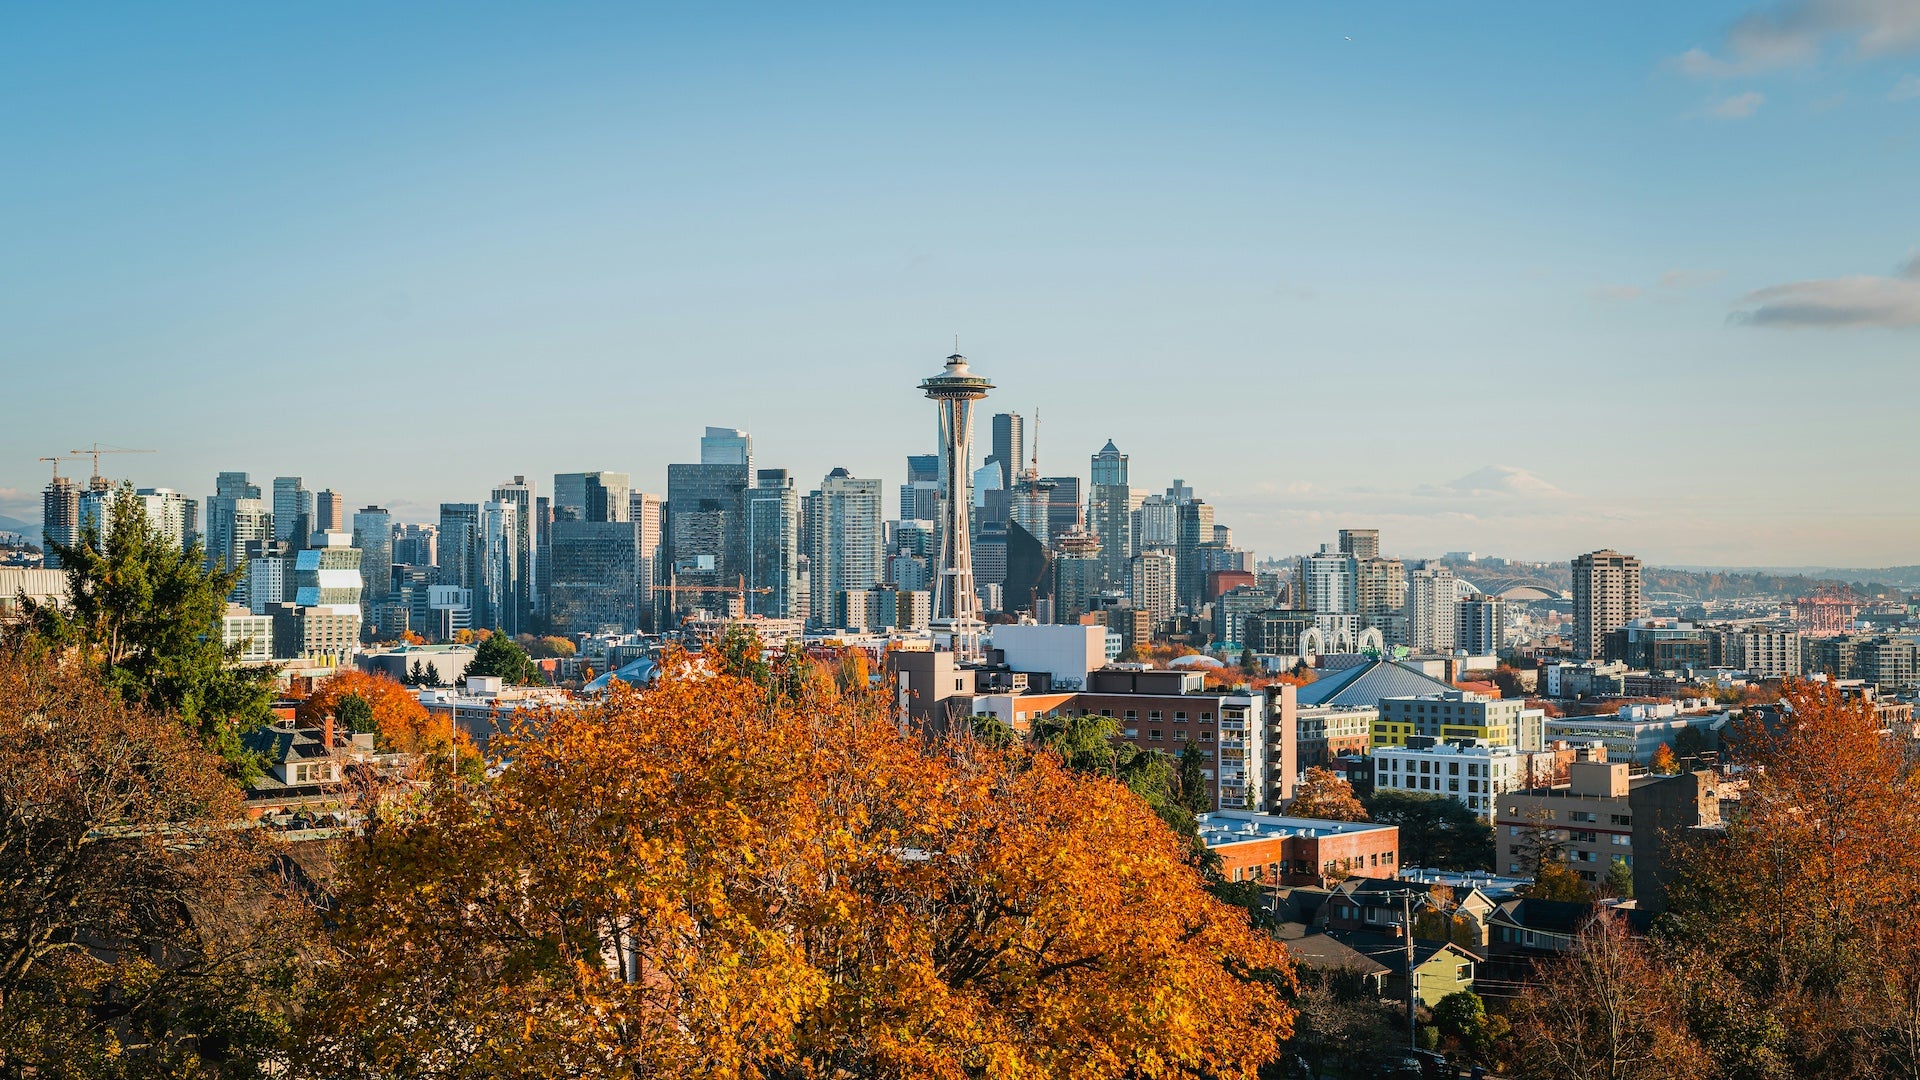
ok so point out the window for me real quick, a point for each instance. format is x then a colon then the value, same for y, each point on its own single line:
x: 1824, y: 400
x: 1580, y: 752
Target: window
x: 1583, y: 836
x: 1622, y: 840
x: 1206, y: 736
x: 1623, y: 819
x: 1453, y: 768
x: 1208, y: 716
x: 1179, y: 735
x: 1154, y: 715
x: 1583, y: 815
x: 1180, y: 717
x: 1132, y: 714
x: 1154, y: 733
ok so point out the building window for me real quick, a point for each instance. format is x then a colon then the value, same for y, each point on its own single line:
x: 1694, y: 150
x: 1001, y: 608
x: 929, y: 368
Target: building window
x: 1154, y: 715
x: 1153, y: 733
x: 1206, y: 736
x: 1180, y: 717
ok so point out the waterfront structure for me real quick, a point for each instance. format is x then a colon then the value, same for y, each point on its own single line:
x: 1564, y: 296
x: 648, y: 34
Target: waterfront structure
x: 1606, y: 597
x: 956, y: 606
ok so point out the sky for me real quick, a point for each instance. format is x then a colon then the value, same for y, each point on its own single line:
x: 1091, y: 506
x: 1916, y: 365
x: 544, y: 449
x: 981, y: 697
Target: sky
x: 1520, y: 278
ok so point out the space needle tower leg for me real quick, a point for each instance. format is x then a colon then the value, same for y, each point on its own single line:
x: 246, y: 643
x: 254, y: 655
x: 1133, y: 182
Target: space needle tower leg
x: 956, y: 606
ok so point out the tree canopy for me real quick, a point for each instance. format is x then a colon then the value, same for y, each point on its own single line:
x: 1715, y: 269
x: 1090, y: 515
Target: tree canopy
x: 497, y: 655
x: 1435, y: 831
x: 148, y: 615
x: 1323, y: 794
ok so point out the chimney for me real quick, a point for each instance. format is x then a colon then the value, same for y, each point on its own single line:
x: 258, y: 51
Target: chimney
x: 326, y: 735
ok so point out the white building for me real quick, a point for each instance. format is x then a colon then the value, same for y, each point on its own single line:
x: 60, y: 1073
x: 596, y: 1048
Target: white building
x: 1067, y: 652
x: 1430, y: 610
x: 1153, y: 583
x: 1636, y: 732
x: 1466, y: 771
x: 1331, y: 581
x: 252, y: 634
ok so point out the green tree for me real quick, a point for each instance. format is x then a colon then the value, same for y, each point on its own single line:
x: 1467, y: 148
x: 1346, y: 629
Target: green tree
x: 1619, y: 880
x: 1090, y: 744
x: 1688, y: 745
x: 1435, y: 831
x: 1194, y: 792
x: 499, y: 656
x: 355, y: 713
x: 994, y: 731
x: 739, y: 653
x: 418, y: 675
x: 148, y: 615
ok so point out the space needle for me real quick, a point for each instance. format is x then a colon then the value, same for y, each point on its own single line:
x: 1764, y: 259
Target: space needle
x: 956, y: 607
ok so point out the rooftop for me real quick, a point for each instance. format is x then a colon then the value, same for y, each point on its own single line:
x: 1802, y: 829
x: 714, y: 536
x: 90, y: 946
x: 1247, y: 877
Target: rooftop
x: 1368, y: 683
x: 1223, y: 827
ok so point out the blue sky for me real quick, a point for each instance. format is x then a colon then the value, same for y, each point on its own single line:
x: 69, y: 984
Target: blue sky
x: 1522, y: 278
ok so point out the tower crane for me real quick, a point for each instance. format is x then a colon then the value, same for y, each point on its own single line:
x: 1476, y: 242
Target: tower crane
x: 56, y: 460
x: 96, y: 450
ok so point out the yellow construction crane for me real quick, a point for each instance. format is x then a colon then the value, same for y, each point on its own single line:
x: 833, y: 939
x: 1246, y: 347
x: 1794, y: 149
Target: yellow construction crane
x: 69, y: 456
x: 96, y: 450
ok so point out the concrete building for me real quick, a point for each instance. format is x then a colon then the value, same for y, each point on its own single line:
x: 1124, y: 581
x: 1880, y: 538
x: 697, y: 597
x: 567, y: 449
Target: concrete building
x: 1362, y: 544
x: 1458, y: 714
x: 1325, y: 732
x: 1480, y: 625
x: 1067, y: 653
x: 1759, y: 651
x: 1431, y: 598
x: 1606, y: 812
x: 59, y: 518
x: 773, y: 546
x: 844, y: 526
x: 1153, y: 586
x: 1606, y: 597
x: 594, y: 576
x: 1231, y: 611
x: 329, y: 511
x: 1468, y: 771
x: 1329, y: 581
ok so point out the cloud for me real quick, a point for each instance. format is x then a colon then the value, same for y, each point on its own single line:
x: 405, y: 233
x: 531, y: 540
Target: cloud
x: 1492, y: 482
x: 1797, y: 33
x: 1739, y: 106
x: 1907, y: 89
x: 1839, y: 303
x: 1618, y: 292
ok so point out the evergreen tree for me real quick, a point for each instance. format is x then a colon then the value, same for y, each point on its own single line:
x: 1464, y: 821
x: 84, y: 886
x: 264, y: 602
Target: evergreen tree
x: 499, y: 656
x: 148, y: 614
x: 1194, y: 793
x: 418, y: 676
x: 355, y: 713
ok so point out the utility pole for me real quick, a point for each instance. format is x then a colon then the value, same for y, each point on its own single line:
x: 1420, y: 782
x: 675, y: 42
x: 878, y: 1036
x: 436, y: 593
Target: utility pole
x: 1406, y: 927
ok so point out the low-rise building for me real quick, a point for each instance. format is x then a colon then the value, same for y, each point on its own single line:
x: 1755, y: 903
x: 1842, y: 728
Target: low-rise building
x: 1637, y: 732
x: 1456, y: 714
x: 1469, y: 771
x: 487, y: 704
x: 1276, y: 850
x: 1325, y: 732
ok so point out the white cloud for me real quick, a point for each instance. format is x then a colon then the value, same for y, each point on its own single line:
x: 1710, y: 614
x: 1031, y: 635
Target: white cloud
x: 1492, y: 482
x: 1796, y: 33
x: 1837, y: 303
x: 1907, y: 89
x: 1739, y: 106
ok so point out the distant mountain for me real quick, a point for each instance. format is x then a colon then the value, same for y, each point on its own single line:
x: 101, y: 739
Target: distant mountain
x: 15, y: 525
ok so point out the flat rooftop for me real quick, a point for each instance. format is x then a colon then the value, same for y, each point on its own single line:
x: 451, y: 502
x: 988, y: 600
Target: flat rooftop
x: 1223, y: 827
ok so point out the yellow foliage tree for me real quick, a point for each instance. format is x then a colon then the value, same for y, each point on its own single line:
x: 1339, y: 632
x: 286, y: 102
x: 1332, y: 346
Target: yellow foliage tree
x: 401, y: 723
x: 722, y: 878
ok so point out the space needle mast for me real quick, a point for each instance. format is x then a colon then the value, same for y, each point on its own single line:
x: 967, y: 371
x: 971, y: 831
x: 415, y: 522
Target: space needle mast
x: 956, y: 607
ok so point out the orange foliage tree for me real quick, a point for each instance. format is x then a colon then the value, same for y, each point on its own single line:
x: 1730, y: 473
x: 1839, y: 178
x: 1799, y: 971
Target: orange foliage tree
x: 730, y: 878
x: 1322, y: 794
x: 401, y: 723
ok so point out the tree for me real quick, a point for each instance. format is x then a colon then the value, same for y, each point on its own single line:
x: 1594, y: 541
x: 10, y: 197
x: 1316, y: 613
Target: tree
x: 740, y: 654
x: 355, y: 714
x: 417, y: 675
x: 1344, y: 1029
x: 1606, y: 1011
x: 399, y: 722
x: 497, y: 655
x: 1324, y: 795
x: 1555, y: 880
x: 550, y: 647
x: 1090, y: 744
x: 1435, y: 831
x: 1466, y: 1029
x: 1195, y: 793
x: 148, y: 615
x: 783, y: 888
x: 1619, y: 880
x: 1663, y: 762
x: 142, y: 932
x: 1689, y: 745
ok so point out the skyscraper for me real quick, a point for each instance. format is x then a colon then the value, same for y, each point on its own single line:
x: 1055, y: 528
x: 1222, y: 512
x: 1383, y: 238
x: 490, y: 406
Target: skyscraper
x: 591, y: 496
x: 292, y: 510
x: 706, y: 531
x: 956, y: 606
x: 1063, y: 507
x: 594, y: 573
x: 648, y: 512
x: 1329, y: 580
x: 1430, y: 610
x: 1362, y: 544
x: 1109, y: 466
x: 1196, y: 528
x: 525, y: 548
x: 726, y: 446
x: 1009, y: 447
x: 920, y: 495
x: 1480, y: 625
x: 373, y: 535
x: 458, y: 545
x: 773, y: 545
x: 59, y: 517
x: 227, y: 487
x: 845, y: 524
x: 329, y: 511
x: 416, y: 545
x: 1606, y: 597
x: 498, y: 596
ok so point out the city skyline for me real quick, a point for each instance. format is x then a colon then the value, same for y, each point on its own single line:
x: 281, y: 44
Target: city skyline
x: 1544, y: 281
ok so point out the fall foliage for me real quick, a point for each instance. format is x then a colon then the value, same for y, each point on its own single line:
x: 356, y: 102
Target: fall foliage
x: 1323, y: 794
x: 718, y: 877
x: 401, y: 723
x: 1607, y: 1011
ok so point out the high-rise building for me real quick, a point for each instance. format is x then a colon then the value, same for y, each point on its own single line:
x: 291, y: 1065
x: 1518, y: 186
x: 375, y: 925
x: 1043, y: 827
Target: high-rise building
x: 1430, y: 610
x: 648, y: 512
x: 323, y: 621
x: 1330, y: 582
x: 1109, y: 466
x: 498, y: 598
x: 1009, y: 446
x: 726, y: 446
x: 526, y: 550
x: 373, y: 535
x: 1362, y: 544
x: 416, y: 545
x: 1031, y: 506
x: 458, y: 545
x: 1381, y: 586
x: 228, y: 487
x: 595, y: 571
x: 292, y: 510
x: 1078, y: 575
x: 773, y: 545
x: 1480, y: 625
x: 1063, y: 506
x: 920, y: 495
x: 59, y: 517
x: 268, y: 581
x: 174, y: 516
x: 1196, y: 529
x: 706, y: 533
x: 845, y: 526
x: 956, y: 604
x: 591, y: 496
x: 329, y: 511
x: 1110, y: 520
x: 1606, y: 597
x: 1153, y: 585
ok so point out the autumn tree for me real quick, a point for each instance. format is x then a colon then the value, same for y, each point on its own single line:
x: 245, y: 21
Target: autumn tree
x: 1323, y: 794
x: 1663, y: 762
x: 142, y: 932
x: 1606, y: 1010
x: 1343, y: 1028
x: 399, y: 722
x: 147, y: 614
x: 705, y: 879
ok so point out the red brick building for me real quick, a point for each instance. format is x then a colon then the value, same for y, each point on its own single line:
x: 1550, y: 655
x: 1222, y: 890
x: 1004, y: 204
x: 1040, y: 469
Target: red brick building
x: 1298, y: 851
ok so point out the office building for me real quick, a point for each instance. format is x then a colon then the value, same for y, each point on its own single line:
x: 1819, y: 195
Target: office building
x: 1430, y: 610
x: 920, y: 495
x: 1231, y: 611
x: 1606, y: 813
x: 373, y: 535
x: 1063, y: 506
x: 648, y: 512
x: 526, y: 543
x: 228, y: 489
x: 1031, y: 506
x: 1153, y: 587
x: 323, y: 621
x: 1156, y: 522
x: 292, y: 510
x: 1362, y: 544
x: 458, y: 545
x: 416, y: 545
x: 1480, y: 625
x: 499, y: 595
x: 1110, y: 520
x: 1467, y: 771
x: 329, y: 511
x: 773, y: 545
x: 1190, y: 570
x: 706, y: 529
x: 845, y: 528
x: 268, y: 579
x: 591, y: 496
x: 1009, y: 446
x: 1078, y: 575
x: 1459, y: 714
x: 1330, y: 582
x: 595, y: 573
x: 726, y: 446
x: 1109, y: 467
x: 1606, y: 597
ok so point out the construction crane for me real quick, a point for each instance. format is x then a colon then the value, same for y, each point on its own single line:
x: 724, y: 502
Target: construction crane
x: 96, y: 450
x: 69, y: 456
x: 740, y: 589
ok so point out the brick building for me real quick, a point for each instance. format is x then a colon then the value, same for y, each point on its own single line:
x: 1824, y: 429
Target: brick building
x: 1297, y: 851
